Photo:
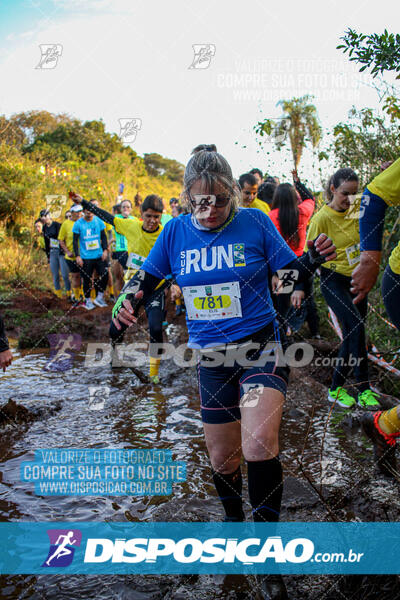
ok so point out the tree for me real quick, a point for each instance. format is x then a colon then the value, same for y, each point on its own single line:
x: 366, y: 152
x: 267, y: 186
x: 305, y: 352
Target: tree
x: 158, y: 165
x: 299, y: 123
x: 18, y: 180
x: 364, y: 142
x: 380, y: 52
x: 23, y: 128
x: 88, y: 142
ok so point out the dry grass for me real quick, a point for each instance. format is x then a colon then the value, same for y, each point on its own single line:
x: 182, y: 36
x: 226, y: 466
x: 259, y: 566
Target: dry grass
x: 24, y: 265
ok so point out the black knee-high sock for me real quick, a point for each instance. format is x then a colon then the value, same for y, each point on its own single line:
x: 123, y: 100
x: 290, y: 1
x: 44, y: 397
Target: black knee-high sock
x: 229, y: 489
x: 265, y: 488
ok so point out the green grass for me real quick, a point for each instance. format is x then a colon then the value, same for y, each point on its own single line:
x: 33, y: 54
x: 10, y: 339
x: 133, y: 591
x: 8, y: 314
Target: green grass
x: 17, y: 318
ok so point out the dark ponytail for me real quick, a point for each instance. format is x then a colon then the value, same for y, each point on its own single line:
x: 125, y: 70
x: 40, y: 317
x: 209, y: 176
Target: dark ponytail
x: 285, y: 200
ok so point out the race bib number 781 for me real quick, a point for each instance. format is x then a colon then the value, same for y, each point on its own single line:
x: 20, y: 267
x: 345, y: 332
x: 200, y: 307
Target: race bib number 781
x: 211, y: 302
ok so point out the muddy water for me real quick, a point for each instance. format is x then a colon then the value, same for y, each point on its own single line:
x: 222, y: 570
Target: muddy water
x: 328, y: 467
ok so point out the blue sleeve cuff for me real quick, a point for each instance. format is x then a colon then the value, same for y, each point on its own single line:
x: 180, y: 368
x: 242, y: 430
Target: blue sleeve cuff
x: 372, y: 220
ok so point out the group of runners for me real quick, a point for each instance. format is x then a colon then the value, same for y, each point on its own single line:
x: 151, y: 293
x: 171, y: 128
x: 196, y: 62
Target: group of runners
x: 92, y: 251
x: 229, y: 253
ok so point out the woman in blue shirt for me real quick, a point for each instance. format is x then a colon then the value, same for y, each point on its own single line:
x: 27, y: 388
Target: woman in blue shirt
x: 220, y: 256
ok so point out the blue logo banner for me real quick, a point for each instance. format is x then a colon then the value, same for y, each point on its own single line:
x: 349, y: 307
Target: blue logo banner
x: 161, y: 548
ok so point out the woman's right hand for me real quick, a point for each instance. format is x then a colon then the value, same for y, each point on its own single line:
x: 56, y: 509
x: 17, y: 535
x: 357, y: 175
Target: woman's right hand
x: 274, y: 283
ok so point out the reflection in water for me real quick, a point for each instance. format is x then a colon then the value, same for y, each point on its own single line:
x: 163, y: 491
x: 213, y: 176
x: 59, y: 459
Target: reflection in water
x: 140, y: 416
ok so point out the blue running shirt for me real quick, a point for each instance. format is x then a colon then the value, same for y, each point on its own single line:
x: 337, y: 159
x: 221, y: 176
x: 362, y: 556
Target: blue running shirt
x: 222, y: 274
x: 89, y: 237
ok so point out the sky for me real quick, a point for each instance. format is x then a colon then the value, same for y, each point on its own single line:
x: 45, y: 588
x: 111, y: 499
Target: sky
x: 131, y: 59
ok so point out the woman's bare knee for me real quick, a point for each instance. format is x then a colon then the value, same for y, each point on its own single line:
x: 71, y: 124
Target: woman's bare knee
x: 261, y: 449
x: 224, y: 464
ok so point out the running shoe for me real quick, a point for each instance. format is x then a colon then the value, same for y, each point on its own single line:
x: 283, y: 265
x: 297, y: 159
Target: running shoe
x: 384, y: 444
x: 272, y: 587
x: 100, y: 302
x: 89, y: 304
x: 368, y: 399
x: 341, y: 397
x: 155, y: 379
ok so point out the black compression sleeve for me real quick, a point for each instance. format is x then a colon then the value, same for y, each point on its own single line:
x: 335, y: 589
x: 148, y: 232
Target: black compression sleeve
x: 75, y: 244
x: 3, y: 338
x: 99, y: 212
x: 144, y: 281
x: 103, y: 237
x: 306, y: 265
x: 303, y: 191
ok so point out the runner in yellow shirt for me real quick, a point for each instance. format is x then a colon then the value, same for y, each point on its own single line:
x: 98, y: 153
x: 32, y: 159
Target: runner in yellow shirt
x: 66, y: 239
x: 248, y: 186
x: 141, y: 237
x: 339, y: 221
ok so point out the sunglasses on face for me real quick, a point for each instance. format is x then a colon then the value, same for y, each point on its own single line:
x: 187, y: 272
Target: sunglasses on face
x: 203, y: 201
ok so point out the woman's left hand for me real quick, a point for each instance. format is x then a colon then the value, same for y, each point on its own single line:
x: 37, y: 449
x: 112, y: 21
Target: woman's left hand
x: 324, y: 246
x: 175, y: 292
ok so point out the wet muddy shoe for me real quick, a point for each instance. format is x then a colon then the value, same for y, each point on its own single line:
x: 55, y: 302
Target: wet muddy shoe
x: 384, y: 444
x: 341, y: 398
x: 369, y: 400
x: 89, y: 304
x: 272, y: 587
x: 100, y: 302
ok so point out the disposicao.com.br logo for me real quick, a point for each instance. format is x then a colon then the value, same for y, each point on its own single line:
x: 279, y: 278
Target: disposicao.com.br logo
x: 248, y: 551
